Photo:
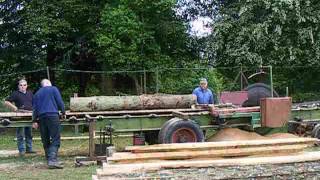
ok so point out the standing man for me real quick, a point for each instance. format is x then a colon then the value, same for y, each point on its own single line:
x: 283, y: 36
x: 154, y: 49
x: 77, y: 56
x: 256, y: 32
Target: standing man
x: 21, y: 100
x: 46, y: 105
x: 202, y: 93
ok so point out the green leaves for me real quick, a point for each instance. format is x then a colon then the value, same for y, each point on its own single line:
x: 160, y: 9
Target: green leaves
x: 277, y: 32
x: 142, y: 35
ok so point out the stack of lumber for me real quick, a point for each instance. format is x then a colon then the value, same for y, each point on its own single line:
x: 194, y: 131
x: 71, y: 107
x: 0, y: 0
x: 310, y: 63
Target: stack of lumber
x: 141, y: 159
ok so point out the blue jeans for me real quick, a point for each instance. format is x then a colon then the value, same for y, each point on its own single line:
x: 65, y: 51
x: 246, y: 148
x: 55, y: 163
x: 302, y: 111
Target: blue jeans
x: 24, y: 133
x: 50, y: 136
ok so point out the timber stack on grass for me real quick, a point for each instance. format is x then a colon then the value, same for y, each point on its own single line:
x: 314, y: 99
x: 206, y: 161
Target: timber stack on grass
x: 144, y: 159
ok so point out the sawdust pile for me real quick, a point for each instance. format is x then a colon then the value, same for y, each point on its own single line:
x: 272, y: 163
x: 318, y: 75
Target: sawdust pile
x: 234, y: 134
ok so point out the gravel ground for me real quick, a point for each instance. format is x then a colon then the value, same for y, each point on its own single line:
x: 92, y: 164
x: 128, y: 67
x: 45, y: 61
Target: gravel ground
x: 295, y: 171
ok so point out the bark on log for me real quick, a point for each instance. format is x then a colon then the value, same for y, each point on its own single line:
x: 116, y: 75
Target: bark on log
x: 103, y: 103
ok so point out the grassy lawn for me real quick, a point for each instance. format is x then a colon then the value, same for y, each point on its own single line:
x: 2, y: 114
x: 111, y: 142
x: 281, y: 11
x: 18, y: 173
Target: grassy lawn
x: 34, y: 166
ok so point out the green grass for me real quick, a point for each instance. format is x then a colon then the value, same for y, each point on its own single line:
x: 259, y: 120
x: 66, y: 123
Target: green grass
x: 35, y: 167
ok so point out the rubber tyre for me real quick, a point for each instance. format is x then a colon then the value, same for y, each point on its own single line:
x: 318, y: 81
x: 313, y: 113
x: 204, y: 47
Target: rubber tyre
x: 257, y: 91
x: 164, y: 128
x: 167, y: 134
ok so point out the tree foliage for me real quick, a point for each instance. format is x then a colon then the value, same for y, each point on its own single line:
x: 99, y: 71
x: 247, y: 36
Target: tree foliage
x: 269, y: 31
x: 142, y: 34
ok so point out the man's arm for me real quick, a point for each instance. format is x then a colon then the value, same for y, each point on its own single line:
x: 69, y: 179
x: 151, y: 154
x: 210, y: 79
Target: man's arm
x: 10, y: 105
x: 59, y: 100
x: 34, y: 109
x: 211, y: 100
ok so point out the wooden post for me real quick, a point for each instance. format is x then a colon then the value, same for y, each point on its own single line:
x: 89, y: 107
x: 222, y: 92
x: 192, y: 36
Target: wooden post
x: 48, y: 73
x: 145, y: 81
x: 241, y: 80
x: 157, y: 80
x: 92, y: 127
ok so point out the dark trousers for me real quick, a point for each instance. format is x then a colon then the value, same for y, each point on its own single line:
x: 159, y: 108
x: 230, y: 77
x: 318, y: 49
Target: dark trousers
x: 50, y: 136
x: 24, y: 134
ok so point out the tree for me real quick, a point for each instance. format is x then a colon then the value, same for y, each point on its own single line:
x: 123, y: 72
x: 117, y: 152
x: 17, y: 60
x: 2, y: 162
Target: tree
x: 139, y: 34
x: 285, y: 34
x: 274, y: 32
x: 50, y: 33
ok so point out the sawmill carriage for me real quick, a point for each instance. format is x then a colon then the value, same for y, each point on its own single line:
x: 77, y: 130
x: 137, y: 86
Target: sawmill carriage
x: 151, y: 119
x: 165, y: 118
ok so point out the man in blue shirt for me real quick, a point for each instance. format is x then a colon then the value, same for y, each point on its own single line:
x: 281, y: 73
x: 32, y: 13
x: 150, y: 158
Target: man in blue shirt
x: 203, y: 94
x: 46, y: 105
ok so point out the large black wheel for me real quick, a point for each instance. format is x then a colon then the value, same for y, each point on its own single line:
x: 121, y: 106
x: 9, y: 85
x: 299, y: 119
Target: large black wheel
x: 180, y: 131
x: 164, y: 128
x: 256, y: 92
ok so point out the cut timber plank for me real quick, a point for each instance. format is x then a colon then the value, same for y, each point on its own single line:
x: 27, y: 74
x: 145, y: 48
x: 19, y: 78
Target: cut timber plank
x: 218, y: 145
x: 118, y: 157
x: 94, y: 177
x: 111, y: 169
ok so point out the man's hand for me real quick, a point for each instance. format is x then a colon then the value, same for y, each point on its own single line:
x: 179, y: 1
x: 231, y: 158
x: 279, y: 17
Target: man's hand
x: 63, y: 116
x: 35, y: 125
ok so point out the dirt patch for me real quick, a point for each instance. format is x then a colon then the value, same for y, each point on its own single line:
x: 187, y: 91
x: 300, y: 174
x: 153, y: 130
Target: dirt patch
x: 7, y: 166
x: 234, y: 134
x: 9, y: 153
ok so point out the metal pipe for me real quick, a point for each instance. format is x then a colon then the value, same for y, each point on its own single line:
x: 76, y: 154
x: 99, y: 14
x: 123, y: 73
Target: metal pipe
x: 271, y: 81
x: 48, y: 73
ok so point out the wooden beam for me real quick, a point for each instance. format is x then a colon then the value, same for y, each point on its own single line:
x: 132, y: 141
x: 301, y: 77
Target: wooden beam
x: 249, y: 151
x: 92, y: 128
x: 112, y: 169
x: 218, y: 145
x: 123, y: 112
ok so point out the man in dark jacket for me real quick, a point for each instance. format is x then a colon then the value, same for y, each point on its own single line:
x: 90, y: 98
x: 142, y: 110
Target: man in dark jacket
x: 21, y: 100
x: 46, y: 105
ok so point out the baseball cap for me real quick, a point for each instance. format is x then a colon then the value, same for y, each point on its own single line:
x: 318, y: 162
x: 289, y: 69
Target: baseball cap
x: 203, y: 80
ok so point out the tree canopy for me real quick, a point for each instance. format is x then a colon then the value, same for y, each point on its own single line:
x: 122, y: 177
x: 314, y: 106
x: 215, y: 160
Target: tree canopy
x: 144, y: 34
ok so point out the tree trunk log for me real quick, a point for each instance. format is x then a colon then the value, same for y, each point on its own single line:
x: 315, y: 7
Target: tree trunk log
x: 105, y: 103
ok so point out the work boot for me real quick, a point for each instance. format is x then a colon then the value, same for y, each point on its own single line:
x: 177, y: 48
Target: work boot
x: 54, y: 165
x: 31, y: 152
x: 46, y: 154
x: 53, y: 162
x: 21, y: 154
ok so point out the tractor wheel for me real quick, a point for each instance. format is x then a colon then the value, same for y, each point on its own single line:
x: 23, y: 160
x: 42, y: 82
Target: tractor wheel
x: 180, y: 131
x: 164, y: 128
x: 256, y: 92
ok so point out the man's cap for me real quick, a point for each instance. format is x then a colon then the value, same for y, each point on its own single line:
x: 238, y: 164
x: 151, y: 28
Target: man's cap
x: 203, y: 80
